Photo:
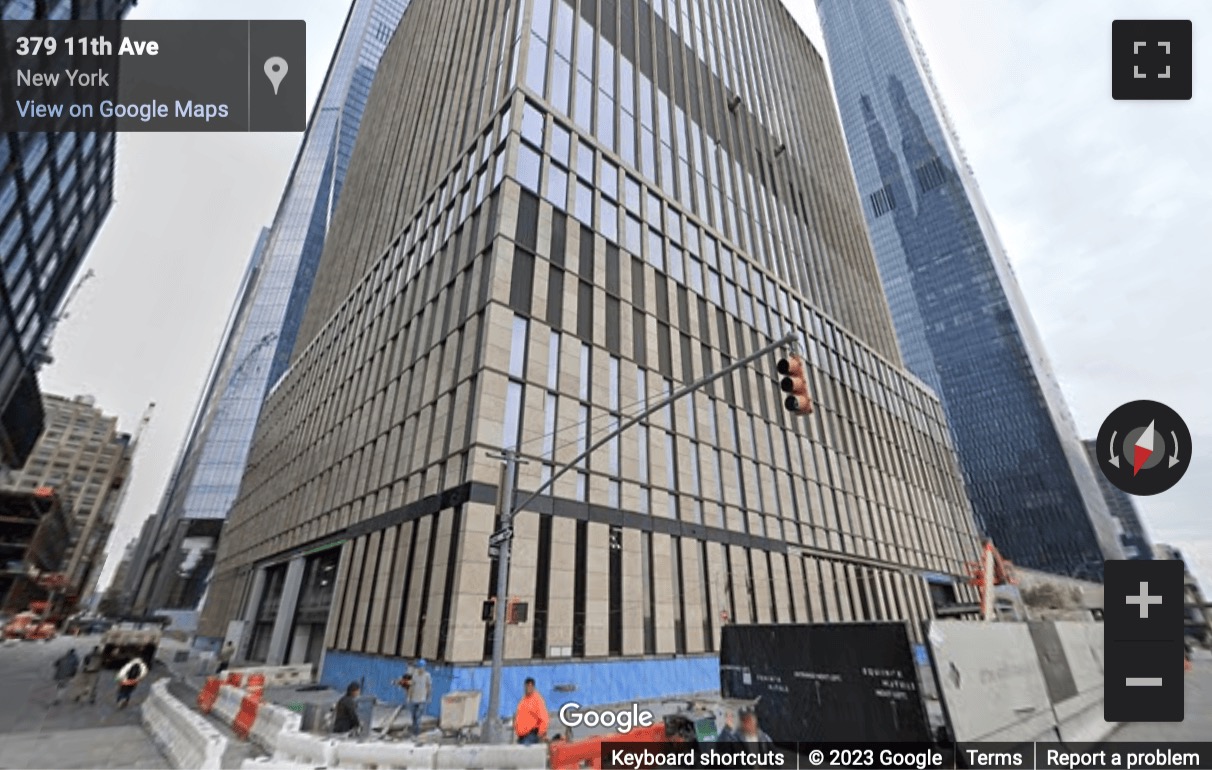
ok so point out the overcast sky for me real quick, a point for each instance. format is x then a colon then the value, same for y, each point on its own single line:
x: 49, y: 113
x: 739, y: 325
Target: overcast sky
x: 1103, y: 207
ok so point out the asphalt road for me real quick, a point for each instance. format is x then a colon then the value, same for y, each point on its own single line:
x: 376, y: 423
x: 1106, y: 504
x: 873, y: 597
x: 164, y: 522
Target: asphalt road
x: 36, y: 733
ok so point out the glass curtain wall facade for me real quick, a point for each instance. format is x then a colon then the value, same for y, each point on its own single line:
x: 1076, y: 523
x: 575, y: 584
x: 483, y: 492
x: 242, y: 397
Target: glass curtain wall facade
x: 1132, y: 535
x: 209, y: 478
x: 55, y: 190
x: 164, y: 532
x: 961, y: 320
x: 579, y: 216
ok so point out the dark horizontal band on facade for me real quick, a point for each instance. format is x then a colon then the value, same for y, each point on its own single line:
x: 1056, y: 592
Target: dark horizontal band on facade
x: 478, y: 492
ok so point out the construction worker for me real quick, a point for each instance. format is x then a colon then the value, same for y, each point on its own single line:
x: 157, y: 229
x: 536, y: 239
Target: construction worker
x: 65, y: 668
x: 420, y: 690
x: 128, y: 679
x: 531, y: 719
x: 346, y: 718
x: 225, y: 655
x: 86, y: 680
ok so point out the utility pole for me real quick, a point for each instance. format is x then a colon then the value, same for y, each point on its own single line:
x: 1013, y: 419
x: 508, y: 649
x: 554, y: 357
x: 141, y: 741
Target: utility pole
x: 502, y: 537
x: 501, y: 540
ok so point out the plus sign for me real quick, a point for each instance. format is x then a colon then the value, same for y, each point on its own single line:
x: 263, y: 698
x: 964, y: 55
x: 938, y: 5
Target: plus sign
x: 1144, y: 600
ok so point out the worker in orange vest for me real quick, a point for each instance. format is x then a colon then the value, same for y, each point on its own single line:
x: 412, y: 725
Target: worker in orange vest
x: 530, y: 721
x: 128, y: 679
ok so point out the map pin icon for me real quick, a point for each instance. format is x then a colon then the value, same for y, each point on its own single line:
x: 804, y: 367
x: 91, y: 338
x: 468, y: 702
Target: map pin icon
x: 275, y: 70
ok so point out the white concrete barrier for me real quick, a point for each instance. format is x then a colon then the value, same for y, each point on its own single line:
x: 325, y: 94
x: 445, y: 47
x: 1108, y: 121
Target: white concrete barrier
x: 305, y: 749
x: 227, y: 705
x: 266, y: 763
x: 990, y: 681
x: 271, y: 722
x: 278, y: 676
x: 186, y: 738
x: 384, y: 756
x: 491, y: 757
x: 1080, y: 718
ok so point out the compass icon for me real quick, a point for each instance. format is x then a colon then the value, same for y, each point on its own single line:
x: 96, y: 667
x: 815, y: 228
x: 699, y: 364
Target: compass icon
x: 1144, y: 447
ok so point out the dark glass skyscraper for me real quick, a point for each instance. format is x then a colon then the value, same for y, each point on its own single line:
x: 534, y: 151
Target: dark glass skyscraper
x: 55, y: 190
x: 1132, y: 534
x: 264, y: 324
x: 962, y: 323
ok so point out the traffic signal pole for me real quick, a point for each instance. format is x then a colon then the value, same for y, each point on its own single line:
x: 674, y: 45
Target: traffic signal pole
x: 493, y: 728
x: 493, y: 732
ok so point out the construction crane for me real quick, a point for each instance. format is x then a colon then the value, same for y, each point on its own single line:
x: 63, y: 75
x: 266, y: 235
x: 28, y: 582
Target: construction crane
x: 147, y: 415
x: 42, y: 355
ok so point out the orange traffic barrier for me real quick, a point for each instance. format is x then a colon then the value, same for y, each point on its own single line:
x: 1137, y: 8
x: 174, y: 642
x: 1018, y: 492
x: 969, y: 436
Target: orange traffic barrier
x: 256, y: 681
x: 234, y: 680
x: 242, y: 724
x: 572, y: 755
x: 209, y: 694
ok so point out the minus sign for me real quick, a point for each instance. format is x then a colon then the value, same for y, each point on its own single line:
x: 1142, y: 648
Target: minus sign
x: 1143, y: 681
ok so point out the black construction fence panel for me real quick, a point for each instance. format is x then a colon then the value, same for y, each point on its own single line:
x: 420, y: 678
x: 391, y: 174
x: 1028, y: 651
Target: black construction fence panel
x: 826, y: 681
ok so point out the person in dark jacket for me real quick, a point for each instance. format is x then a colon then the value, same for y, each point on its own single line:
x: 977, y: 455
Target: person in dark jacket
x: 86, y: 680
x: 346, y: 718
x: 65, y: 669
x: 749, y: 737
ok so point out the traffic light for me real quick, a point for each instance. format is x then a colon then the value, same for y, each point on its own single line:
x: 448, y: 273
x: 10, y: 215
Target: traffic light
x: 516, y: 612
x: 794, y: 383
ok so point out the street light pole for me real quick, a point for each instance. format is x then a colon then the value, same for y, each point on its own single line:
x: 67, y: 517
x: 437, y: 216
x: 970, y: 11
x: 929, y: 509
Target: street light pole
x: 493, y: 727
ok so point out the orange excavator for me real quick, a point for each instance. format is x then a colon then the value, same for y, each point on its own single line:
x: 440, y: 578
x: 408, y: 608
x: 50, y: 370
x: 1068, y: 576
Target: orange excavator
x: 991, y: 571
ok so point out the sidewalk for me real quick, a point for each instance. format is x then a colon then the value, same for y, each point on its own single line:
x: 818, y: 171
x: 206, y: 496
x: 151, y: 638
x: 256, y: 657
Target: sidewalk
x: 98, y: 747
x: 37, y: 733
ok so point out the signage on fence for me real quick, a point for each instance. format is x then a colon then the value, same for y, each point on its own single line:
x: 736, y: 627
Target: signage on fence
x: 826, y: 681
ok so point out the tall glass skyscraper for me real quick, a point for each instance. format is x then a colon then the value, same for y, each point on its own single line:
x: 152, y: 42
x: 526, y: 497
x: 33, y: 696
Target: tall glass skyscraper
x: 961, y: 320
x: 559, y: 211
x: 265, y: 322
x: 55, y: 190
x: 1132, y: 535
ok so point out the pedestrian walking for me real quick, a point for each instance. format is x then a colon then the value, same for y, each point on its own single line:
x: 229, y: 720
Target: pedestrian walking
x: 420, y: 691
x: 86, y: 680
x: 346, y: 718
x: 65, y: 669
x: 225, y: 655
x: 749, y: 737
x: 530, y: 720
x: 128, y: 679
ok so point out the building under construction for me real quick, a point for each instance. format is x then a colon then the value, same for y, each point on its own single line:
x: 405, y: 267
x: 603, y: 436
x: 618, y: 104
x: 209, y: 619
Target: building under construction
x: 85, y: 461
x: 33, y: 543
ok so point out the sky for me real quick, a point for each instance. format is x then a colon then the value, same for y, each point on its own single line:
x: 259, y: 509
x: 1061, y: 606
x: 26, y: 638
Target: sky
x: 1103, y: 207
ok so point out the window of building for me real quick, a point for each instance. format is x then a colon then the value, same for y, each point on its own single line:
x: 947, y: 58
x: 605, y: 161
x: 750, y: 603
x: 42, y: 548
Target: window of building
x: 580, y: 589
x: 615, y: 619
x: 557, y: 186
x: 648, y: 593
x: 584, y: 203
x: 529, y: 168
